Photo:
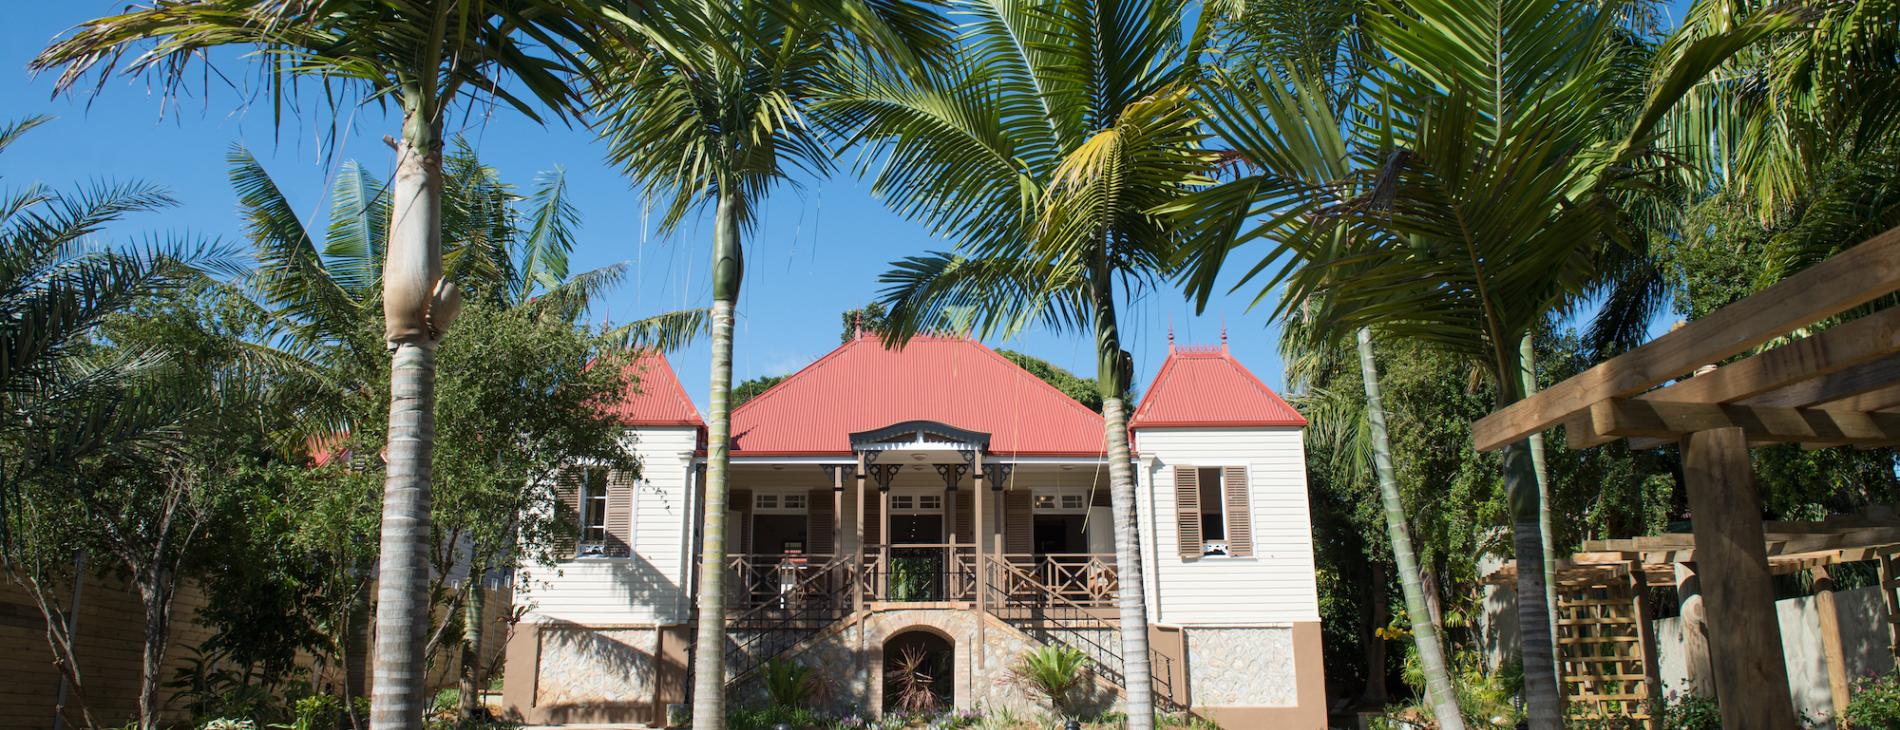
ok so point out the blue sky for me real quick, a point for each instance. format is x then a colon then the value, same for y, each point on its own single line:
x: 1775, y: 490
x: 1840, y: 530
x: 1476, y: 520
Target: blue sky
x: 819, y: 249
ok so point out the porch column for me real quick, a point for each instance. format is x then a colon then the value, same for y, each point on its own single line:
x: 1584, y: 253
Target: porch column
x: 977, y: 527
x: 838, y: 543
x: 1751, y: 677
x: 857, y: 542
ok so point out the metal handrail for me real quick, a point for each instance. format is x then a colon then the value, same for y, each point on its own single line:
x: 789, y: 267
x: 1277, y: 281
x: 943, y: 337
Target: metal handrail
x: 1057, y: 622
x: 766, y: 630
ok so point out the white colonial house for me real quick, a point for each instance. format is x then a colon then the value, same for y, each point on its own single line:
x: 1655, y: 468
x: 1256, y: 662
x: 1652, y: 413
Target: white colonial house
x: 939, y: 499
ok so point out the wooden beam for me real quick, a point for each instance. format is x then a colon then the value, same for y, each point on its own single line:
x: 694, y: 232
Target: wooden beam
x: 1751, y: 675
x: 1847, y: 280
x: 1868, y: 339
x: 1635, y: 417
x: 1879, y: 399
x: 1698, y: 675
x: 1878, y: 374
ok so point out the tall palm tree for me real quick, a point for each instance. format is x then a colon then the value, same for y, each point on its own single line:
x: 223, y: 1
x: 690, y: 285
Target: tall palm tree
x: 1484, y: 191
x: 1041, y: 149
x: 705, y: 106
x: 426, y: 56
x: 1317, y: 163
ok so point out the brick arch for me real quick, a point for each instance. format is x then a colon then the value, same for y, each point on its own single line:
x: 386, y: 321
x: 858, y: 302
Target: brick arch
x: 942, y: 661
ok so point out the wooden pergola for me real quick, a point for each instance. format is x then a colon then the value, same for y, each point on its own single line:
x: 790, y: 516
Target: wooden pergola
x: 1831, y: 387
x: 1604, y: 642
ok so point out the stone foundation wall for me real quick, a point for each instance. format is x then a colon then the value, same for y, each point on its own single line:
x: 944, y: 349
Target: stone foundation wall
x: 1242, y: 666
x: 852, y: 660
x: 583, y: 666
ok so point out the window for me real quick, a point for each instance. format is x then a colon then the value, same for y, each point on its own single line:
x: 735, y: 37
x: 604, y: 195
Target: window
x: 1213, y: 512
x: 916, y: 503
x: 775, y: 503
x: 1063, y: 501
x: 594, y: 506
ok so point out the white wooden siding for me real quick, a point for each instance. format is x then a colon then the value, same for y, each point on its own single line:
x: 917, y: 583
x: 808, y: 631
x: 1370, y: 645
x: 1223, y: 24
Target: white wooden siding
x: 648, y: 587
x: 1275, y: 586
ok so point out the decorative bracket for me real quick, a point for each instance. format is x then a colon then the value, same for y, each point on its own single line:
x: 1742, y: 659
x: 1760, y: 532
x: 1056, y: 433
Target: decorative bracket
x: 997, y: 474
x: 951, y: 473
x: 884, y: 473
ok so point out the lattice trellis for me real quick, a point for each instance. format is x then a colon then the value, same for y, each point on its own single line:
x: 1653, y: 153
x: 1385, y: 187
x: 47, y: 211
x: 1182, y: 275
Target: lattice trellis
x: 1605, y: 650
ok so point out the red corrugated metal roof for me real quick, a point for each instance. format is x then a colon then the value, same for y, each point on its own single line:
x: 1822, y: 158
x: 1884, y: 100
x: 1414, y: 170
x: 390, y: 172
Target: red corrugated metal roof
x: 655, y: 397
x: 862, y: 386
x: 1207, y: 387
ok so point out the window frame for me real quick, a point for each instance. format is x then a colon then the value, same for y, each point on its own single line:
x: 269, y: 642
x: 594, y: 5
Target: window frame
x: 1057, y: 495
x: 1209, y: 546
x: 593, y: 507
x: 780, y: 503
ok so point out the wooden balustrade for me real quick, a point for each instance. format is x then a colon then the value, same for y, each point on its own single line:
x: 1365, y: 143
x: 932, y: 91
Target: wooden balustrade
x: 929, y: 572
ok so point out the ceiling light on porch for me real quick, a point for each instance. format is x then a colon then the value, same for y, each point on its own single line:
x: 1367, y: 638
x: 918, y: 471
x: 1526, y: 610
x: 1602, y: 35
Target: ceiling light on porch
x: 919, y: 456
x: 1068, y: 467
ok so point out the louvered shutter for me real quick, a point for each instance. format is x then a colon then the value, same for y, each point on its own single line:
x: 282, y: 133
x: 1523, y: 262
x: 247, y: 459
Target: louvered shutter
x: 1019, y: 524
x: 966, y: 518
x: 567, y: 518
x: 1187, y: 511
x: 819, y: 539
x: 740, y: 501
x: 1239, y: 514
x: 619, y: 514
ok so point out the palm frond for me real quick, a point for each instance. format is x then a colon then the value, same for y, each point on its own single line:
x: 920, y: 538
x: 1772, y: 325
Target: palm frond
x: 662, y: 332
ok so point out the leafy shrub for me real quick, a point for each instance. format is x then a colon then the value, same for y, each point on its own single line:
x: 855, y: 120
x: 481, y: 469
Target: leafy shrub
x: 1875, y: 703
x: 1692, y: 712
x: 788, y: 683
x: 226, y: 723
x: 315, y: 712
x: 916, y: 692
x: 798, y: 718
x: 1055, y: 671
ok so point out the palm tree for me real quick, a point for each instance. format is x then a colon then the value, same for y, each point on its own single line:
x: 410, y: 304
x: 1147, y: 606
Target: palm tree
x: 1484, y: 191
x: 705, y: 106
x: 427, y: 56
x: 1041, y: 148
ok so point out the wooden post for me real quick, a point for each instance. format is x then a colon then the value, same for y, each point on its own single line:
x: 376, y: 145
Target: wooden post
x: 884, y: 537
x: 1831, y: 650
x: 1646, y: 641
x: 837, y: 510
x: 857, y: 543
x: 982, y: 565
x: 1697, y: 672
x: 1889, y: 582
x: 1751, y: 676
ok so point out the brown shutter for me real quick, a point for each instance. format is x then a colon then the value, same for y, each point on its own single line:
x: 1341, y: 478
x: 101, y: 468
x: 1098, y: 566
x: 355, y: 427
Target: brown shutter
x: 966, y: 518
x: 567, y: 513
x: 1187, y: 511
x: 818, y: 537
x: 1239, y: 517
x: 740, y: 500
x: 619, y: 514
x: 1019, y: 524
x: 873, y: 524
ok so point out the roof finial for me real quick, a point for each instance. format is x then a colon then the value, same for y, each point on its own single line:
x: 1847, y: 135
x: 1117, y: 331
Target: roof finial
x: 857, y: 325
x: 1223, y: 335
x: 1170, y: 337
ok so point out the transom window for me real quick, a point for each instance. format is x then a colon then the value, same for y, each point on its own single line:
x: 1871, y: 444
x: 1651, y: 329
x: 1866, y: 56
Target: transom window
x: 1057, y: 502
x: 916, y: 503
x: 775, y: 502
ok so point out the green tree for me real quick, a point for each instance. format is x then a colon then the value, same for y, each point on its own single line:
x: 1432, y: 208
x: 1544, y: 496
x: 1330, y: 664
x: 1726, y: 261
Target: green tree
x: 1041, y: 148
x: 1084, y: 390
x: 704, y: 106
x: 426, y: 56
x: 1499, y: 150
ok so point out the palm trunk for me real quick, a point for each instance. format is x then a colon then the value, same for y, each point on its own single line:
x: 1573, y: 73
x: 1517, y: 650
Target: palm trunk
x: 1542, y: 697
x: 1528, y: 354
x: 410, y: 274
x: 1112, y: 374
x: 472, y: 629
x: 709, y: 656
x: 1439, y: 692
x: 1376, y: 616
